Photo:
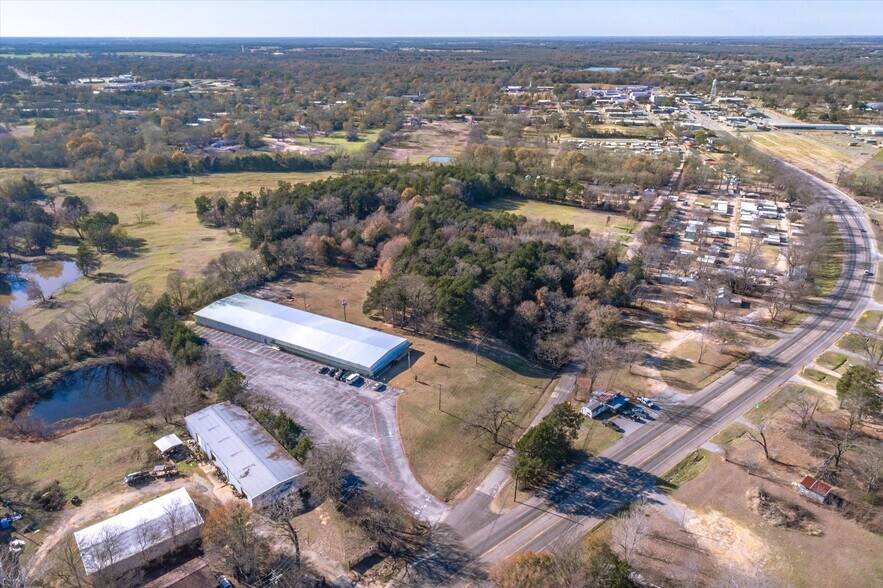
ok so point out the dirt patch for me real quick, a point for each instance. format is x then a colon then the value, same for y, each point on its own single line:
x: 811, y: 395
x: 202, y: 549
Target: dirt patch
x: 780, y: 513
x: 727, y: 540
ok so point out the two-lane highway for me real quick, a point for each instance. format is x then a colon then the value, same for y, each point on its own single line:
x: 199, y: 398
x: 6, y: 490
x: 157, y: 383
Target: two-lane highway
x: 628, y: 468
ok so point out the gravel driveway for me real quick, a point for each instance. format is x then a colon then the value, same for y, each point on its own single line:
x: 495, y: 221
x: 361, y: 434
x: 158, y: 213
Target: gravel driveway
x: 359, y: 417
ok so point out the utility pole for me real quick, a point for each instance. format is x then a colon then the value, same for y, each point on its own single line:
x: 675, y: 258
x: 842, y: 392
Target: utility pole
x: 343, y: 303
x: 515, y: 498
x: 439, y: 398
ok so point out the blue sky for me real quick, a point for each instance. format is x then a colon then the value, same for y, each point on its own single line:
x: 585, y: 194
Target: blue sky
x: 452, y: 18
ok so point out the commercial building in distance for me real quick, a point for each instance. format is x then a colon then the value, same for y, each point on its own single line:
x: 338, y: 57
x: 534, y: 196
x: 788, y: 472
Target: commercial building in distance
x: 313, y: 336
x: 140, y: 535
x: 255, y: 464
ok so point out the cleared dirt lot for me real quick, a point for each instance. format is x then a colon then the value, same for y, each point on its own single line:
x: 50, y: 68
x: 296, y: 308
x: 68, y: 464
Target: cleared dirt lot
x: 790, y: 555
x: 359, y: 417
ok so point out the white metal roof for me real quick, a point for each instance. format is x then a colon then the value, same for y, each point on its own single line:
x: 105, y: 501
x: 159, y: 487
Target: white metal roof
x: 311, y: 333
x: 136, y: 530
x: 168, y: 442
x: 245, y: 449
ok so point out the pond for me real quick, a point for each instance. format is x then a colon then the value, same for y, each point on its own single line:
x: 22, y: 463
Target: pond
x: 94, y: 390
x: 441, y: 159
x: 50, y: 275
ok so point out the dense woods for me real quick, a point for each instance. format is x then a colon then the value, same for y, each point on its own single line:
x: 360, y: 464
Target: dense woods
x: 445, y: 266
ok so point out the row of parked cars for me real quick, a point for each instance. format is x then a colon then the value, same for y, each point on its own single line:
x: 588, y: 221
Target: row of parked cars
x: 351, y: 378
x: 634, y: 412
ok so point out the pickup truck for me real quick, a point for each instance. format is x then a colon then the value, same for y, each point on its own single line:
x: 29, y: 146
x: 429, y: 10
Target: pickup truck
x: 136, y: 477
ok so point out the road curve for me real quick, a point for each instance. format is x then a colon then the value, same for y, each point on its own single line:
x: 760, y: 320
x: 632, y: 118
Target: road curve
x: 629, y: 467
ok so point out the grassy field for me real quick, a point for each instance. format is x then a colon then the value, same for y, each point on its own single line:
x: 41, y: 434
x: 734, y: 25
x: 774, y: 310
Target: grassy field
x: 173, y: 237
x: 687, y: 469
x: 43, y: 175
x: 874, y: 167
x: 850, y: 342
x: 86, y: 462
x: 869, y: 320
x: 820, y: 377
x: 832, y: 360
x: 832, y: 266
x: 440, y: 446
x: 338, y: 141
x: 581, y: 218
x: 594, y: 437
x: 878, y: 284
x: 809, y: 153
x: 682, y: 369
x: 438, y: 138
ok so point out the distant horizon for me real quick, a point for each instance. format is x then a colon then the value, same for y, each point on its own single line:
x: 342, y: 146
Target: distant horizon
x: 439, y: 38
x: 435, y: 19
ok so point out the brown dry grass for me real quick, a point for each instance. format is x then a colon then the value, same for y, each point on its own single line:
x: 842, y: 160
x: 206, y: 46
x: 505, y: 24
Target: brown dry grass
x: 173, y: 237
x: 442, y: 450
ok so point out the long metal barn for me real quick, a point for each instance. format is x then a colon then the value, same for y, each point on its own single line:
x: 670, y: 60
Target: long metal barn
x: 319, y: 338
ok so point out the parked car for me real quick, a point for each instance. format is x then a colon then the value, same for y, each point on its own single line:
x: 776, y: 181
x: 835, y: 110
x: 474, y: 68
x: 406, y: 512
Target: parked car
x: 614, y: 426
x: 341, y: 375
x: 333, y: 373
x: 223, y: 582
x: 323, y: 370
x: 378, y: 387
x: 354, y: 379
x: 648, y: 402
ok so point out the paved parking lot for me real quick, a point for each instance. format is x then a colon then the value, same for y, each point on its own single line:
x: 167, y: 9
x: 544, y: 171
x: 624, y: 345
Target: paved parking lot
x: 359, y: 417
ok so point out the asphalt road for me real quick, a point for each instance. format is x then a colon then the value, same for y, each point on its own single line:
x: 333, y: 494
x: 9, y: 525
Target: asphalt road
x: 629, y: 468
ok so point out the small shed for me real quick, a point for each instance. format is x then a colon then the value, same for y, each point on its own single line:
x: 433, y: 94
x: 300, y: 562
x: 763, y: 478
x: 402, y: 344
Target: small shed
x: 168, y: 444
x: 814, y: 489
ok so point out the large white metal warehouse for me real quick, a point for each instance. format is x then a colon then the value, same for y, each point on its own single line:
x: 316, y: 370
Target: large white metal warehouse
x: 253, y: 461
x: 313, y: 336
x: 139, y: 535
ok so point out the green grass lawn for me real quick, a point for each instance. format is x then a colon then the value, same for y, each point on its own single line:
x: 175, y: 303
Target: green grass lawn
x: 821, y: 377
x: 831, y: 266
x: 594, y: 437
x: 832, y: 360
x: 580, y: 218
x: 173, y: 237
x: 776, y: 405
x: 682, y: 369
x: 687, y: 469
x: 878, y: 284
x: 338, y: 140
x: 869, y: 320
x: 90, y: 461
x: 732, y: 434
x: 850, y: 342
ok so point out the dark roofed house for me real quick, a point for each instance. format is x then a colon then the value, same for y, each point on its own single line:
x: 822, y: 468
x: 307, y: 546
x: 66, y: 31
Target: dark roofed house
x: 612, y: 400
x: 814, y: 489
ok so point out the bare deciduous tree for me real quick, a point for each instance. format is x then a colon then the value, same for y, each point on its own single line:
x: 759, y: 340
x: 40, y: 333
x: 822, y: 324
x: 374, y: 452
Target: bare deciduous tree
x: 497, y: 418
x: 178, y: 394
x: 596, y: 355
x: 327, y: 468
x: 631, y: 530
x: 759, y: 434
x: 869, y: 465
x: 68, y: 570
x: 803, y: 406
x: 870, y: 346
